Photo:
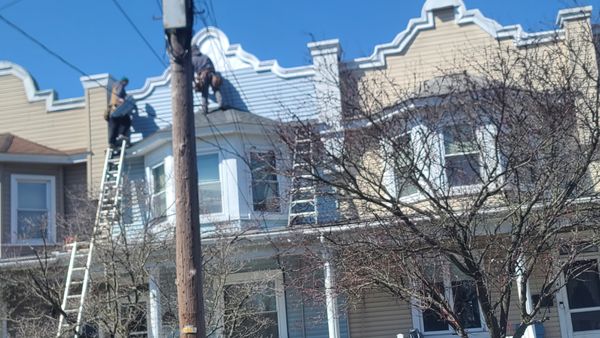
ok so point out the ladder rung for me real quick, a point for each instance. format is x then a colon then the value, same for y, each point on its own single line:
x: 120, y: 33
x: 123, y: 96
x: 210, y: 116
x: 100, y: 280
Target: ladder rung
x: 70, y: 310
x: 311, y: 201
x: 73, y: 296
x: 308, y: 213
x: 80, y: 269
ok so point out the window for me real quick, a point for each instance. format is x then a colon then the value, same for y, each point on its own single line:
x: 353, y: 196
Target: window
x: 583, y: 292
x: 32, y: 209
x: 255, y: 305
x: 462, y: 296
x: 159, y: 191
x: 404, y: 169
x: 461, y: 156
x: 209, y: 184
x: 133, y: 319
x: 265, y: 189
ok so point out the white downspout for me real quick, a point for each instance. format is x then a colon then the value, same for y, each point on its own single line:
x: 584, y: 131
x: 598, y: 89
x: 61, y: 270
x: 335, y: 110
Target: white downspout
x: 530, y: 331
x: 333, y: 322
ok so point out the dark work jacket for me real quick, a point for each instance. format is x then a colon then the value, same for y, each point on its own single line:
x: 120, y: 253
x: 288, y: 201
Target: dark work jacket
x: 201, y: 61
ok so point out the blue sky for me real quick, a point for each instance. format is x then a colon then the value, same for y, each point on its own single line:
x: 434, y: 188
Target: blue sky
x: 95, y: 36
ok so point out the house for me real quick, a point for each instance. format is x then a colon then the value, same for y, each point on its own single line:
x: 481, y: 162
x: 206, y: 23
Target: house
x: 247, y: 181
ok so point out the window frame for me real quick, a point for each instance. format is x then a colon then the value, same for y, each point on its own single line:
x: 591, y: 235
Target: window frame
x: 264, y: 276
x: 259, y: 150
x: 221, y: 185
x: 50, y: 182
x: 417, y: 311
x: 163, y: 192
x: 465, y: 188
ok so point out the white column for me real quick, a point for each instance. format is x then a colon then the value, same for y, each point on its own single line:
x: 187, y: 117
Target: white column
x: 333, y: 319
x: 530, y: 331
x: 155, y: 327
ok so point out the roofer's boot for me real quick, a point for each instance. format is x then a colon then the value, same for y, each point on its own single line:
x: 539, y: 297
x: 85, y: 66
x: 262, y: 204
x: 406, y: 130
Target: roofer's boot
x: 219, y: 98
x: 204, y: 104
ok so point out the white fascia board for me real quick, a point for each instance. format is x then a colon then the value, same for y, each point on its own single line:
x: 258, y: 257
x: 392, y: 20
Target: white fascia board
x: 49, y: 159
x: 35, y: 95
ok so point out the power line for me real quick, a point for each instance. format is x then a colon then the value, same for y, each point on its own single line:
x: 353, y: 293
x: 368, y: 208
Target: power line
x: 47, y: 49
x: 162, y: 62
x: 10, y: 4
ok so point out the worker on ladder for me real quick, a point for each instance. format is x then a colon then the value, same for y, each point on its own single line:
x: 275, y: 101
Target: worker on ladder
x: 119, y: 111
x: 205, y: 76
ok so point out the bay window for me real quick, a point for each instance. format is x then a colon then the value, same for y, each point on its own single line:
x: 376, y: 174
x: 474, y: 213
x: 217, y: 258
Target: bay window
x: 265, y: 187
x: 209, y: 184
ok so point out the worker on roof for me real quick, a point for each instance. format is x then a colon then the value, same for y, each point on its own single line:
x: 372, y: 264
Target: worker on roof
x: 119, y: 119
x: 205, y: 76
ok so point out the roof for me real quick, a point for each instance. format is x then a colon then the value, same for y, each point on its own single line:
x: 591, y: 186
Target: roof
x: 17, y: 149
x: 230, y: 116
x: 12, y: 144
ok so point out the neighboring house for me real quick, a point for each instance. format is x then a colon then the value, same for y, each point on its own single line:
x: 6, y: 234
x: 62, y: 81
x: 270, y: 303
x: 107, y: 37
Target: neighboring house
x: 48, y: 147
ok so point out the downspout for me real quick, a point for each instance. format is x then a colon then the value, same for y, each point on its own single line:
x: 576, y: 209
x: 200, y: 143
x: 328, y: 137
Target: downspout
x: 333, y: 323
x: 530, y: 330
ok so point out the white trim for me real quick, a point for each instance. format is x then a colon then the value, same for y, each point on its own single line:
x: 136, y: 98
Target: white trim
x: 215, y: 216
x: 53, y: 159
x: 35, y: 95
x: 267, y: 276
x: 50, y: 182
x: 155, y: 322
x: 464, y: 16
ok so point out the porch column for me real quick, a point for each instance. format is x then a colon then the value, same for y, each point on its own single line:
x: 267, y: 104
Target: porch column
x: 333, y: 319
x: 155, y: 327
x: 530, y: 331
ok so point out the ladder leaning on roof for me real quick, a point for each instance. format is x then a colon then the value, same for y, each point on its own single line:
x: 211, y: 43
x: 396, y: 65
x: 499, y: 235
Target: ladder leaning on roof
x: 303, y: 194
x: 78, y: 275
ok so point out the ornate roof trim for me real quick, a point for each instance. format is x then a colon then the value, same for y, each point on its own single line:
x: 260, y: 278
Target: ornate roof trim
x: 465, y: 16
x: 35, y: 95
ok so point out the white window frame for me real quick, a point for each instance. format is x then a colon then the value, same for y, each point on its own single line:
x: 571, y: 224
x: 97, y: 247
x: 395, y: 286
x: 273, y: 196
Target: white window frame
x: 417, y: 312
x: 50, y: 182
x: 260, y: 150
x: 266, y: 276
x: 564, y: 311
x: 163, y: 192
x: 214, y: 215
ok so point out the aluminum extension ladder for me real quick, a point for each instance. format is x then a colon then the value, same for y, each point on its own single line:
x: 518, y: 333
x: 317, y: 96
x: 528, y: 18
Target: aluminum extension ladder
x: 303, y: 195
x: 78, y: 275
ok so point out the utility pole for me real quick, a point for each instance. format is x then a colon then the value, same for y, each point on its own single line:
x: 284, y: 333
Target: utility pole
x: 178, y: 22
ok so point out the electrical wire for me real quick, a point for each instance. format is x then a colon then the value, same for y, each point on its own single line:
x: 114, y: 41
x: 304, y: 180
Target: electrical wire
x: 133, y: 25
x: 48, y: 50
x: 10, y: 4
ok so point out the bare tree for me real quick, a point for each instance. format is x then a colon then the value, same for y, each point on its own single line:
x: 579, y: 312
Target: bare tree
x: 460, y: 193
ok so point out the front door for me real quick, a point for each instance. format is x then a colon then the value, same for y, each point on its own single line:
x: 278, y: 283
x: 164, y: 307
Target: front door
x: 581, y: 300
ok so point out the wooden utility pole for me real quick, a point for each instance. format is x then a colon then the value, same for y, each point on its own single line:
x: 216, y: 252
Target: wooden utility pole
x: 178, y: 19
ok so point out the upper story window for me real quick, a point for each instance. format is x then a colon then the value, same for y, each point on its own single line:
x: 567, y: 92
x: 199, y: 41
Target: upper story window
x: 33, y: 209
x: 462, y: 165
x: 265, y: 187
x: 209, y: 184
x: 404, y: 167
x: 159, y: 191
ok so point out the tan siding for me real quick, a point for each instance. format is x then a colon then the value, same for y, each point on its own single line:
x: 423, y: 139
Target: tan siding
x: 379, y: 315
x: 98, y: 136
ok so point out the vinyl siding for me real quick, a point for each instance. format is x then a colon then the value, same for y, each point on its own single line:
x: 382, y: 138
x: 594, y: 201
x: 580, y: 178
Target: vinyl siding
x: 263, y: 93
x: 379, y: 315
x: 135, y: 199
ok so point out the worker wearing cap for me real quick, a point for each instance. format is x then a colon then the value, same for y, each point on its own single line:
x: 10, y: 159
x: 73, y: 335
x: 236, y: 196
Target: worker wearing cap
x: 119, y: 121
x: 205, y: 76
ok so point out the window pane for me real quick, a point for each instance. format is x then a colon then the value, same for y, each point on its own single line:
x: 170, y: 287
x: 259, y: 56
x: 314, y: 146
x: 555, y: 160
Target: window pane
x: 433, y: 322
x: 403, y: 169
x: 159, y: 205
x: 265, y: 196
x: 265, y: 188
x: 210, y: 197
x: 462, y: 170
x: 208, y: 168
x: 459, y: 139
x: 158, y: 178
x: 465, y: 303
x: 32, y: 195
x: 586, y: 321
x: 32, y: 225
x: 251, y: 310
x: 583, y: 288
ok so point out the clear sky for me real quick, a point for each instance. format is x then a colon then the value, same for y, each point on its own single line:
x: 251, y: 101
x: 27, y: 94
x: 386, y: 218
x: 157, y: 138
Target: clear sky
x: 96, y: 37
